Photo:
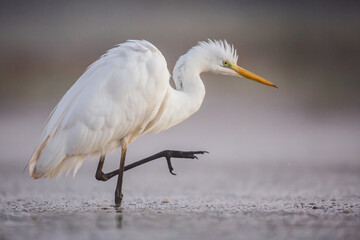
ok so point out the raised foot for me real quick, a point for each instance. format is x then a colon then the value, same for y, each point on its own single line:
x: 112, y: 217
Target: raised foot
x: 168, y: 154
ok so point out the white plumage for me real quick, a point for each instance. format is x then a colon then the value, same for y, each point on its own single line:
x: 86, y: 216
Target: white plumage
x: 124, y: 94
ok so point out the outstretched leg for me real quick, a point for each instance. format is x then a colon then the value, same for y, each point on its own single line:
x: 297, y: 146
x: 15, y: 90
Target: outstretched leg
x: 168, y: 154
x: 118, y: 190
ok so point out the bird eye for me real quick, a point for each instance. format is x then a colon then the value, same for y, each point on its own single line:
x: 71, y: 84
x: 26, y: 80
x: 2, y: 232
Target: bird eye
x: 225, y: 63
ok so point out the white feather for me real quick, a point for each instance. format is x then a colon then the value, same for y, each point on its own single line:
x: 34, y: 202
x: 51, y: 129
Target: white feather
x: 124, y: 94
x: 104, y: 108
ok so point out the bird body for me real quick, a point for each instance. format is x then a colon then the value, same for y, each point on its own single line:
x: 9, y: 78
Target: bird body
x: 123, y: 95
x: 104, y: 109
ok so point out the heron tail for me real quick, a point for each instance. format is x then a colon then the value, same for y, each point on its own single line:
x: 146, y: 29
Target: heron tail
x: 49, y: 160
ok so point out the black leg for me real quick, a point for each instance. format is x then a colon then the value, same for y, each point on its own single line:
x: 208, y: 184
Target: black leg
x: 100, y: 175
x: 168, y: 154
x: 118, y: 190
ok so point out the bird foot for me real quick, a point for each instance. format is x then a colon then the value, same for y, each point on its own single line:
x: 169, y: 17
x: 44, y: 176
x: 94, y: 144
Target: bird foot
x: 168, y: 154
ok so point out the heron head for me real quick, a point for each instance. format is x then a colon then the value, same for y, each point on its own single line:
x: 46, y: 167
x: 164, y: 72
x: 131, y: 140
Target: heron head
x: 223, y: 60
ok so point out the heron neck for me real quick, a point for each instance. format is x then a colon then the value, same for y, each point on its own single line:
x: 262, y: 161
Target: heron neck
x: 186, y: 73
x: 182, y: 102
x: 188, y: 96
x: 186, y: 76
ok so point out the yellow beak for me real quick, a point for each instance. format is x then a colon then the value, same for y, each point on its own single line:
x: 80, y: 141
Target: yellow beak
x: 249, y: 75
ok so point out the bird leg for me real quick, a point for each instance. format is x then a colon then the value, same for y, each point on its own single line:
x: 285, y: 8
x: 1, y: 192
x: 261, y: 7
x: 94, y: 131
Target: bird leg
x: 118, y: 190
x: 100, y: 175
x: 168, y: 154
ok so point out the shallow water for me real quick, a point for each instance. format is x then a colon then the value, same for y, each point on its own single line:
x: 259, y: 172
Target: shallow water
x: 259, y: 203
x: 186, y: 218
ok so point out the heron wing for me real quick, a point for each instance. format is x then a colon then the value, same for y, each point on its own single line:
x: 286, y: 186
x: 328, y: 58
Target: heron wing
x: 110, y: 104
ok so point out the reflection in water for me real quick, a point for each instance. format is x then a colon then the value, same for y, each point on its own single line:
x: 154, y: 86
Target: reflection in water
x: 109, y: 218
x: 119, y: 217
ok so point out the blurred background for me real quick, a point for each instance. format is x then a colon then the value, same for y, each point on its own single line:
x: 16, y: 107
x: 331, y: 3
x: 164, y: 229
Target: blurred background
x: 309, y: 49
x: 271, y: 150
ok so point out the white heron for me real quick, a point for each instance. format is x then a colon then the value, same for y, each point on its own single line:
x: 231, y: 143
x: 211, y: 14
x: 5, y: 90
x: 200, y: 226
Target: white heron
x: 123, y: 95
